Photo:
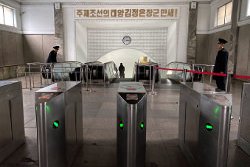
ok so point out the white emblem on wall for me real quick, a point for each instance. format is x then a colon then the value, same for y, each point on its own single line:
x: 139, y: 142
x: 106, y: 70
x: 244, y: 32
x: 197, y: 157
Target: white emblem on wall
x: 126, y: 40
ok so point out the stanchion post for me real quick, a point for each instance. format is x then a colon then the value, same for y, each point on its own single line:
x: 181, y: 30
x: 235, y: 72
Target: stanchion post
x: 47, y: 75
x: 51, y: 73
x: 41, y: 70
x: 90, y: 78
x: 185, y: 75
x: 30, y: 76
x: 202, y: 76
x: 33, y: 80
x: 75, y: 74
x: 153, y: 83
x: 25, y: 77
x: 211, y: 76
x: 104, y: 79
x: 193, y: 73
x: 81, y: 75
x: 86, y: 76
x: 228, y: 82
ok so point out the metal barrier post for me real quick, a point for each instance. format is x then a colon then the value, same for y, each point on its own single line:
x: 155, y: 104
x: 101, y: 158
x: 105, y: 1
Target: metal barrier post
x: 25, y: 77
x: 150, y: 75
x: 202, y: 76
x: 153, y: 84
x: 76, y: 75
x: 41, y: 69
x: 103, y: 71
x: 51, y: 73
x: 58, y: 110
x: 131, y: 124
x: 228, y: 83
x: 87, y: 76
x: 208, y: 131
x: 47, y: 74
x: 29, y: 76
x: 185, y: 75
x: 90, y: 78
x: 11, y: 119
x: 81, y: 74
x: 193, y: 73
x: 33, y: 80
x: 211, y: 76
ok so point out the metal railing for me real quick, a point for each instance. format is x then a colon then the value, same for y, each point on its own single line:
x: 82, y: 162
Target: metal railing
x: 203, y: 68
x: 37, y: 75
x: 178, y: 75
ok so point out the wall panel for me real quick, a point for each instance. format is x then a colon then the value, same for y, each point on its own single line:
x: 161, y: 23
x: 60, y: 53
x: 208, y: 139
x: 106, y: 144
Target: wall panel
x: 11, y: 50
x: 37, y: 47
x: 152, y: 42
x: 1, y: 50
x: 202, y: 49
x: 243, y: 66
x: 213, y: 47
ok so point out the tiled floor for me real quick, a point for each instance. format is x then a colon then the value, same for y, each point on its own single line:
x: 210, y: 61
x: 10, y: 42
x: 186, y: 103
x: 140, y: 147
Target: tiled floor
x: 99, y: 123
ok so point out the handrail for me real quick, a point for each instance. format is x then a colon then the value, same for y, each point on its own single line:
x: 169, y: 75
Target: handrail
x: 11, y: 65
x: 206, y: 65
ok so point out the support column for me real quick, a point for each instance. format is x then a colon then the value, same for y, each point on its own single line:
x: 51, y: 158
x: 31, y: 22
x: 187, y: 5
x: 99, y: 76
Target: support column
x: 192, y: 37
x: 59, y: 31
x: 232, y: 61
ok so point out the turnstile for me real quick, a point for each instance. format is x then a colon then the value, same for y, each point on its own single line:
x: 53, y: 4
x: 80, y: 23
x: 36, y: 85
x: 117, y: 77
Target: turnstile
x: 244, y: 126
x: 11, y: 118
x: 131, y: 124
x: 59, y: 123
x: 204, y: 124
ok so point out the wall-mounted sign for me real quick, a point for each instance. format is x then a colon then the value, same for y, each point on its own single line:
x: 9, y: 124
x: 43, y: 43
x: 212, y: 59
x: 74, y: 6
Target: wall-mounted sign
x: 170, y: 13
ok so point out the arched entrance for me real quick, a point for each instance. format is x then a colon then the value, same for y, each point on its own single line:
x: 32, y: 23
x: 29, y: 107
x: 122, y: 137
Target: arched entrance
x: 127, y: 57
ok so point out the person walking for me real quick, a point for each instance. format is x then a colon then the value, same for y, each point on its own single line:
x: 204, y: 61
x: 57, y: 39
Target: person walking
x: 121, y: 71
x: 221, y: 65
x: 52, y: 58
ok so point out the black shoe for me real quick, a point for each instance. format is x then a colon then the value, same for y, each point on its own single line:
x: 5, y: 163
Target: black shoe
x: 219, y: 90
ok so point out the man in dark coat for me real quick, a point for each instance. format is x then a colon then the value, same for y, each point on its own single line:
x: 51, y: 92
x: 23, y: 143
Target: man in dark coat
x: 52, y: 55
x: 121, y: 71
x: 221, y: 65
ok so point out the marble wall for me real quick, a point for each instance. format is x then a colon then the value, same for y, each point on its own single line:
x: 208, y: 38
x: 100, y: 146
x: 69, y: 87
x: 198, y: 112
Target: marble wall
x: 11, y: 48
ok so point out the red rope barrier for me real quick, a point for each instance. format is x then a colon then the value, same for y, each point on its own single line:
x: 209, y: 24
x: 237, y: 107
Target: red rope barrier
x: 173, y: 69
x: 193, y: 71
x: 206, y: 73
x: 241, y: 76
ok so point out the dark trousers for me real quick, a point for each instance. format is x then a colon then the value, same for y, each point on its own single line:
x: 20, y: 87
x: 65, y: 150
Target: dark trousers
x: 221, y: 83
x: 122, y: 74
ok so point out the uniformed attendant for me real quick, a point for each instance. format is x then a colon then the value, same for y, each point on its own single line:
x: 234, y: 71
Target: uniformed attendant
x: 52, y: 55
x: 221, y: 65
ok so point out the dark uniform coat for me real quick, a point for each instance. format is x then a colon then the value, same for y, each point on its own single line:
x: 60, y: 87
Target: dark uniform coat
x: 221, y: 66
x: 52, y: 57
x: 221, y: 62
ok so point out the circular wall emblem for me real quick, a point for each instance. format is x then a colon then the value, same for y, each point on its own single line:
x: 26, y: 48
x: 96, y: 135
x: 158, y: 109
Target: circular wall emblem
x: 126, y: 40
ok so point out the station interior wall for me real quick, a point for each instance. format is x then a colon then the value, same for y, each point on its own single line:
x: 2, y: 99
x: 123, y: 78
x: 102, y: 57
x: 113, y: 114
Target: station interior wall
x: 11, y: 48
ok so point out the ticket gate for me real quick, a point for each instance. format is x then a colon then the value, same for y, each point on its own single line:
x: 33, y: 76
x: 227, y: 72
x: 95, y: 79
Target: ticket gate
x: 11, y: 118
x: 59, y: 123
x: 204, y: 124
x: 244, y: 126
x: 131, y: 124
